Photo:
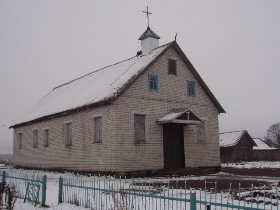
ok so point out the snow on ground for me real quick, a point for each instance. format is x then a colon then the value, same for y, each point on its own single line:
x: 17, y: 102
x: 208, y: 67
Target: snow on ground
x: 51, y: 199
x: 52, y: 186
x: 254, y: 164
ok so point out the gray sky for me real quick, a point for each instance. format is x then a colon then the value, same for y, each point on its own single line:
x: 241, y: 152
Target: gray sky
x: 233, y: 44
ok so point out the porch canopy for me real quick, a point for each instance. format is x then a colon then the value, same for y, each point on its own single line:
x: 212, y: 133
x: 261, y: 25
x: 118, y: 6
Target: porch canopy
x: 180, y: 116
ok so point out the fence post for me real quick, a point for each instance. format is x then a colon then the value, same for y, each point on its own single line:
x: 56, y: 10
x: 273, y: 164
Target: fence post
x: 60, y: 185
x: 208, y: 206
x: 44, y: 189
x: 193, y: 200
x: 4, y: 178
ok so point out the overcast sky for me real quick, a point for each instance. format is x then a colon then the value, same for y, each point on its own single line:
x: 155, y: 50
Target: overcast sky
x: 233, y: 44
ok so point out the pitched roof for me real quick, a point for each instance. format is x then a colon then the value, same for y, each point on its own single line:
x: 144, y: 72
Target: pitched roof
x: 102, y: 86
x: 182, y: 116
x: 148, y: 33
x: 95, y: 87
x: 261, y: 145
x: 229, y: 139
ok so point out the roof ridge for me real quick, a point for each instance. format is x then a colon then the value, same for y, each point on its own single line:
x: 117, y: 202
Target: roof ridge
x: 233, y: 131
x: 94, y: 72
x: 108, y: 66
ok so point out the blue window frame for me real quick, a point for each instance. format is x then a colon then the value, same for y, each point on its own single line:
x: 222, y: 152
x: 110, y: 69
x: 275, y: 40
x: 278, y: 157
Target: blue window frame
x: 153, y: 82
x: 191, y: 88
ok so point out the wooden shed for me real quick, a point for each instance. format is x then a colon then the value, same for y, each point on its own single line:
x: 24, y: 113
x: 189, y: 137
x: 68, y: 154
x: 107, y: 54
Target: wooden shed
x: 265, y: 152
x: 236, y: 146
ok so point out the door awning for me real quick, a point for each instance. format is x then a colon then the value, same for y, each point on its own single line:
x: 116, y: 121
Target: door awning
x: 181, y: 116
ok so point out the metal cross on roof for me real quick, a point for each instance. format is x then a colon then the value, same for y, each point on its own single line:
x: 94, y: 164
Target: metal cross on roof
x: 147, y: 13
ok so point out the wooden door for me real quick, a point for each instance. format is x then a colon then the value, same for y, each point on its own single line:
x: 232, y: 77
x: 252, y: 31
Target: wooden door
x: 173, y: 145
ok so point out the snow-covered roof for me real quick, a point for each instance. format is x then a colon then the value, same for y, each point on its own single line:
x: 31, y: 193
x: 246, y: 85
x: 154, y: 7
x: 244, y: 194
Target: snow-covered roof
x: 261, y: 145
x: 95, y: 87
x: 177, y: 116
x: 229, y: 139
x: 170, y: 116
x: 102, y: 86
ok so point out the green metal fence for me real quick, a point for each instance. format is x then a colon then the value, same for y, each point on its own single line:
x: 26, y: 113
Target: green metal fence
x: 22, y: 180
x: 100, y: 192
x: 106, y: 192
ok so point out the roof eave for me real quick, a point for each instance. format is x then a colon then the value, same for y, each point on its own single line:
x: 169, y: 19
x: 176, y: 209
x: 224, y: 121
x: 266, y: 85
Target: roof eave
x: 106, y: 102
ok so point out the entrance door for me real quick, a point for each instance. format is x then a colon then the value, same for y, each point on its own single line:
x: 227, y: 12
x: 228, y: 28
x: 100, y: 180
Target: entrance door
x: 173, y: 146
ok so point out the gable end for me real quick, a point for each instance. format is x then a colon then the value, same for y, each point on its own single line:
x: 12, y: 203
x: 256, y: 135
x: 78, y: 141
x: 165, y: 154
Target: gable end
x: 198, y: 78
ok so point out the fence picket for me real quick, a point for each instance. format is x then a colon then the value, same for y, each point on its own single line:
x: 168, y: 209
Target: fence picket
x: 101, y: 192
x: 21, y: 178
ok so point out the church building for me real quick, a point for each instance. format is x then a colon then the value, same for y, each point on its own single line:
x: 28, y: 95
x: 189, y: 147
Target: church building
x: 147, y: 113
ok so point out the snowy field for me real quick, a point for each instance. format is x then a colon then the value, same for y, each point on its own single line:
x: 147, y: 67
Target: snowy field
x: 52, y: 187
x: 254, y: 164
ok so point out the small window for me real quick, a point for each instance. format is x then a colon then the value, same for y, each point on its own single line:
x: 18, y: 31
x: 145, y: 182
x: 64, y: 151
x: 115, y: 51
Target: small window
x: 68, y: 134
x: 98, y: 129
x: 201, y: 133
x: 191, y: 88
x: 139, y: 128
x: 20, y: 140
x: 35, y: 138
x: 153, y: 83
x: 46, y: 137
x: 172, y: 67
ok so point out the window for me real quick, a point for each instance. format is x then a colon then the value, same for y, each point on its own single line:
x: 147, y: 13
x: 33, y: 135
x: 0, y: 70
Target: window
x: 153, y: 83
x: 20, y: 140
x: 46, y: 137
x: 172, y: 67
x: 201, y: 132
x: 97, y: 129
x: 191, y: 88
x: 35, y: 138
x: 68, y: 141
x: 139, y: 128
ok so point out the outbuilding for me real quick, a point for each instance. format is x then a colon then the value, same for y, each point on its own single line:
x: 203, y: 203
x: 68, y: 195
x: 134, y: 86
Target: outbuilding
x: 263, y: 151
x: 236, y: 146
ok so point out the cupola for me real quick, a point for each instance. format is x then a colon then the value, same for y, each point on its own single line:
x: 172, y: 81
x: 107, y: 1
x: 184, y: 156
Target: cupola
x: 149, y: 39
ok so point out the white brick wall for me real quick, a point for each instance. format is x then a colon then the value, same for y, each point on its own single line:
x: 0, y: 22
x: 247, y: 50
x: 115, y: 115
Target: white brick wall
x: 172, y: 94
x: 83, y: 154
x: 118, y: 152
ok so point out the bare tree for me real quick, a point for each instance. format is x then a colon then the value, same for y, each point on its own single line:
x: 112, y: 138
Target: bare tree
x: 273, y: 135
